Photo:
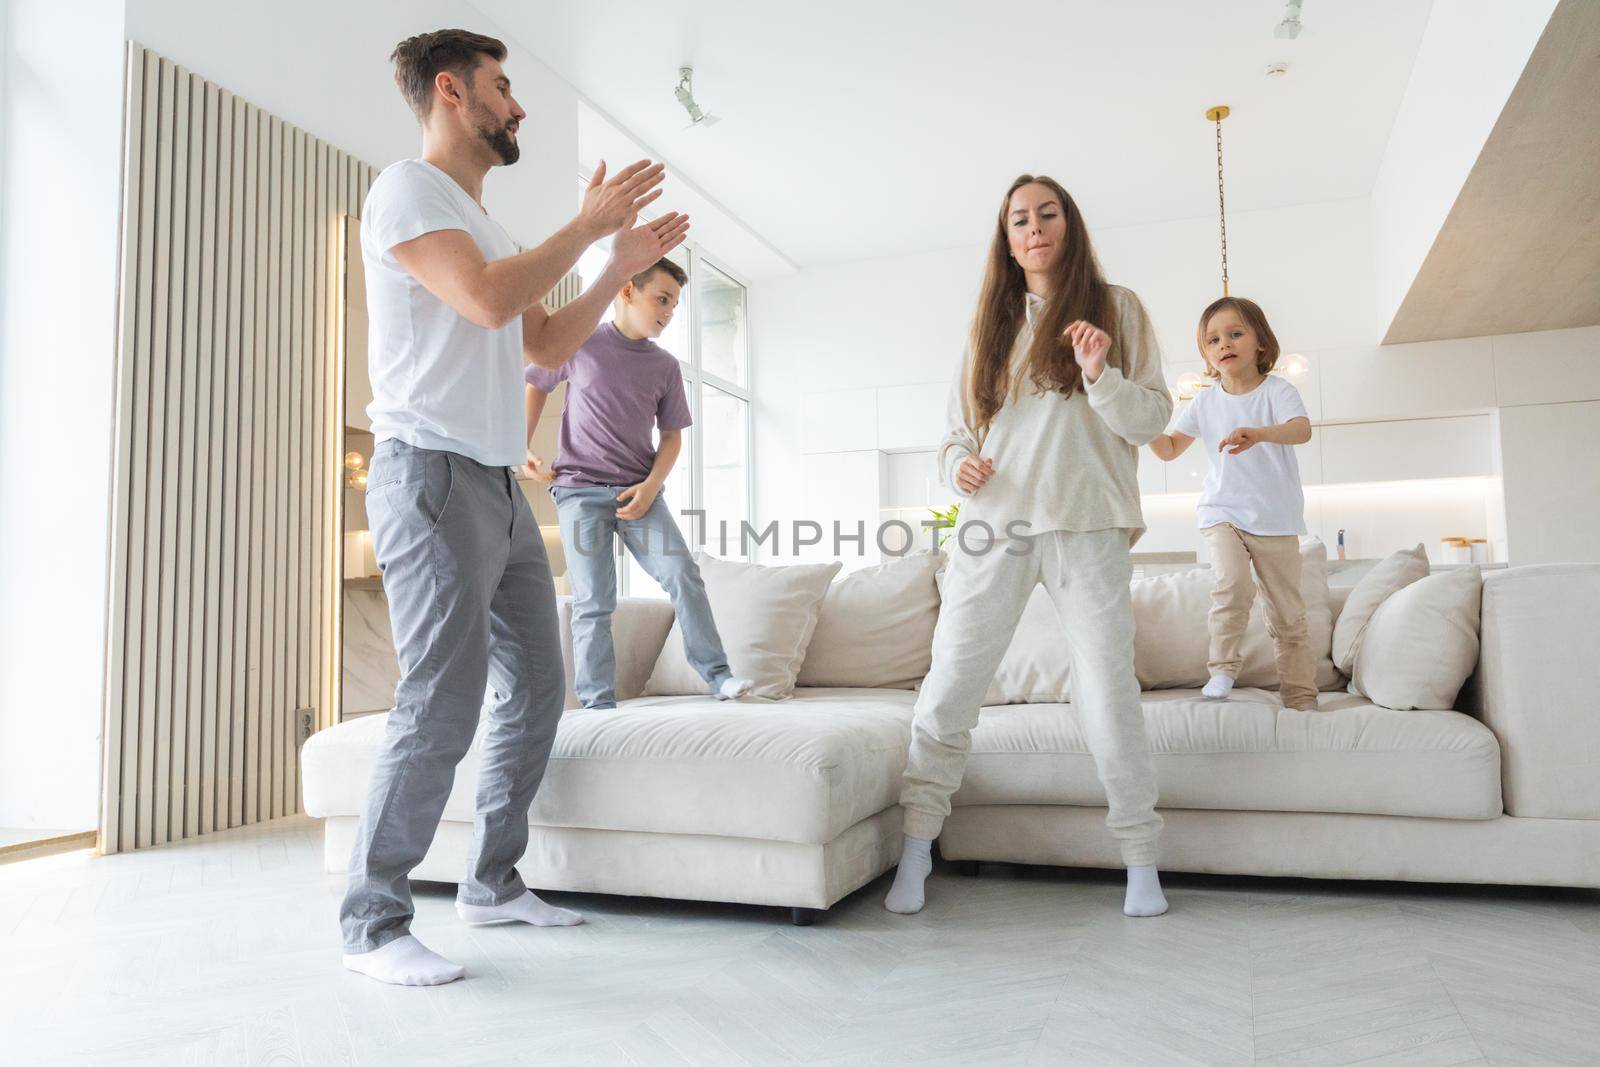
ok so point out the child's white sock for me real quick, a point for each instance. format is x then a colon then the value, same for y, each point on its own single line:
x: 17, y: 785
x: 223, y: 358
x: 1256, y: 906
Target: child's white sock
x: 404, y: 961
x: 734, y: 688
x: 1144, y: 897
x: 527, y: 908
x: 1218, y: 687
x: 916, y: 863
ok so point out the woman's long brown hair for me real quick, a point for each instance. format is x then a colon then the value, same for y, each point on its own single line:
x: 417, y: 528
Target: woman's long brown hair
x: 1079, y: 292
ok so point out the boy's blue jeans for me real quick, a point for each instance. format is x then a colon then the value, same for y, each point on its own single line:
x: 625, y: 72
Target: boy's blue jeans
x: 589, y: 526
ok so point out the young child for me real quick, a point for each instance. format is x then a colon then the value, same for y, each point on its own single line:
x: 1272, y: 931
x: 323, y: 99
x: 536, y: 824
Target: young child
x: 620, y: 386
x: 1252, y: 509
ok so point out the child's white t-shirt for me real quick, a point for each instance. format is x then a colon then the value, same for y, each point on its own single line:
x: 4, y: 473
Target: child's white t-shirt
x: 1258, y: 490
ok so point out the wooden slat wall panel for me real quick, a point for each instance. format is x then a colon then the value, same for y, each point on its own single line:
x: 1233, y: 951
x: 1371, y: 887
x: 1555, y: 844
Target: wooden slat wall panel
x: 225, y: 527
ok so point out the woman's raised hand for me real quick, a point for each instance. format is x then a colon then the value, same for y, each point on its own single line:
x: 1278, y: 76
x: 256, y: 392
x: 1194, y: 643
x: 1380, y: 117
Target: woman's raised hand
x: 973, y: 473
x: 1089, y: 347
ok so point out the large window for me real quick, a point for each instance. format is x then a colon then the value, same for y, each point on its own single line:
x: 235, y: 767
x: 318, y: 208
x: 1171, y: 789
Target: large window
x: 710, y: 336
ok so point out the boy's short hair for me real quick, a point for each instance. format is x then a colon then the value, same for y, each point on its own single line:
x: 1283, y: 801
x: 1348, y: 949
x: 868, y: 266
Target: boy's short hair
x: 673, y: 271
x: 1253, y: 317
x: 419, y: 60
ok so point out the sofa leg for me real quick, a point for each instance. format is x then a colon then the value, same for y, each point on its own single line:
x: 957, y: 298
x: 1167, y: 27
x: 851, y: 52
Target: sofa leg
x: 803, y: 916
x: 968, y: 868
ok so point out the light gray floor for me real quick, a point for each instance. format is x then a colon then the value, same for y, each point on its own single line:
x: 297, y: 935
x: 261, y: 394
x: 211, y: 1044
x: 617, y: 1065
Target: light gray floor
x: 224, y: 951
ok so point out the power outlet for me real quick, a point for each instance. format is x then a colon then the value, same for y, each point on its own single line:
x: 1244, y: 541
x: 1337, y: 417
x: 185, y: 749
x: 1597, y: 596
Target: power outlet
x: 307, y: 718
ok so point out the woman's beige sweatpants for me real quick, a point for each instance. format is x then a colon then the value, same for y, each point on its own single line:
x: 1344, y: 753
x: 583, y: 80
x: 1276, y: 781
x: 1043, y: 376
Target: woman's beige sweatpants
x: 1277, y: 567
x: 1087, y: 577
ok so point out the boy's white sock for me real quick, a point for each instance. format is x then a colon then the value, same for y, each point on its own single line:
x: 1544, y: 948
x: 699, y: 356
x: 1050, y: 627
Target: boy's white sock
x: 916, y: 863
x: 527, y: 908
x: 734, y: 688
x: 1144, y: 897
x: 404, y: 961
x: 1218, y: 687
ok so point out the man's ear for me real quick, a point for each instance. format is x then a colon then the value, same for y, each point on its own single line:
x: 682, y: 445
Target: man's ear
x: 449, y: 88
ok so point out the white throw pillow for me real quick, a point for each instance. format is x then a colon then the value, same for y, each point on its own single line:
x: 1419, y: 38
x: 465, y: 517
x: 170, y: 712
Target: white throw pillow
x: 1422, y: 643
x: 765, y: 616
x: 1037, y: 668
x: 1377, y: 585
x: 875, y: 629
x: 1172, y: 642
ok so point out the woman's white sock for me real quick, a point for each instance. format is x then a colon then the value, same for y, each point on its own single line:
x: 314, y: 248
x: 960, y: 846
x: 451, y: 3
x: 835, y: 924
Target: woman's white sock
x: 404, y: 961
x: 916, y: 863
x: 1218, y: 687
x: 1144, y: 897
x: 527, y: 908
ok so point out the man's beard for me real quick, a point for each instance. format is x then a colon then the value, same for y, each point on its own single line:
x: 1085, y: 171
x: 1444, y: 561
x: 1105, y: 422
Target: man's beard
x: 496, y: 135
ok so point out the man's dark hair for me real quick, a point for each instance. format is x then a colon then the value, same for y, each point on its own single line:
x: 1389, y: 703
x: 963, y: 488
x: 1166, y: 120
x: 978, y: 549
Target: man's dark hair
x: 675, y: 272
x: 418, y: 61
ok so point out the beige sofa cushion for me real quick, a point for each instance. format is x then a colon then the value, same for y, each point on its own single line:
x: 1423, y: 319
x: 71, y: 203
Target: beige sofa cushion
x: 803, y: 772
x: 1422, y: 643
x: 765, y: 615
x: 1172, y: 642
x: 1036, y: 668
x: 1250, y: 754
x: 1377, y: 585
x: 876, y: 626
x: 639, y: 628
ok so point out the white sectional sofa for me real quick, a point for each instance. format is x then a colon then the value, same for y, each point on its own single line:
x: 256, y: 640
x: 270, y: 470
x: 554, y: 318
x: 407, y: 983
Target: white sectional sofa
x: 793, y: 802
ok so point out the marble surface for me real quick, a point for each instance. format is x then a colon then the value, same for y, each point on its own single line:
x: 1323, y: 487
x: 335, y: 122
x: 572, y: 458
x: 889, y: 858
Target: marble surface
x: 370, y: 667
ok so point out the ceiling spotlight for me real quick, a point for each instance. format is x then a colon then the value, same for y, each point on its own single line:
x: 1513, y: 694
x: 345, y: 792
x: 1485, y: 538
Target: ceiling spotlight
x: 1289, y: 28
x: 685, y: 95
x: 1277, y: 70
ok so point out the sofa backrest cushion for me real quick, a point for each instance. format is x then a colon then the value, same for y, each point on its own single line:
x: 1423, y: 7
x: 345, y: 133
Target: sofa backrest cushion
x: 639, y: 628
x: 1422, y: 643
x: 1377, y: 585
x: 875, y: 629
x: 765, y: 616
x: 1172, y: 641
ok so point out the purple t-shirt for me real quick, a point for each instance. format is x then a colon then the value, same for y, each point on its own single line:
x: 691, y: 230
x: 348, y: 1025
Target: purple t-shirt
x: 618, y: 390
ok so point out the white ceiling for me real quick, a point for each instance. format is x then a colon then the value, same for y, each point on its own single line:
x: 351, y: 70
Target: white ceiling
x: 855, y: 129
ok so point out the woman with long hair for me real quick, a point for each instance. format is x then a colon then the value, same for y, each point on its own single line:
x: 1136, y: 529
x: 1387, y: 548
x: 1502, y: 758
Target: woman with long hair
x: 1060, y: 385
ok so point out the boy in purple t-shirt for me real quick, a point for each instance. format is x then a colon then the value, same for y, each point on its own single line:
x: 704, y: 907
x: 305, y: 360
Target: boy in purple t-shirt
x: 621, y: 385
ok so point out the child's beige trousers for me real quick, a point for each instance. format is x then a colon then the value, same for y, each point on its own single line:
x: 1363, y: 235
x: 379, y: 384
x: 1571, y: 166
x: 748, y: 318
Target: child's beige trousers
x: 1277, y: 571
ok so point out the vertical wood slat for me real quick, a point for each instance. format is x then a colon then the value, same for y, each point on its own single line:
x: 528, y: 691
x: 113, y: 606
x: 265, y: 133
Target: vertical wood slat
x: 188, y: 637
x: 150, y: 577
x: 223, y: 585
x: 232, y: 725
x: 128, y: 320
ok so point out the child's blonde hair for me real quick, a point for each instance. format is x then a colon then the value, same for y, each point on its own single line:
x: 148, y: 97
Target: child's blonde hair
x: 1253, y: 317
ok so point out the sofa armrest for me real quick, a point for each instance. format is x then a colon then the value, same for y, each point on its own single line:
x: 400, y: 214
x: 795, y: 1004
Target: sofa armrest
x: 639, y: 629
x: 1538, y: 687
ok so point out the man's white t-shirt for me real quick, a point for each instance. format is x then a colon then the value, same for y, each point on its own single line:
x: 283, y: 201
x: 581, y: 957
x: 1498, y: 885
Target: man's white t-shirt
x: 438, y: 381
x: 1258, y: 491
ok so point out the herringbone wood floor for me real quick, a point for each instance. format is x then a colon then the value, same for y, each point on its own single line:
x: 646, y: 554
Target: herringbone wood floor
x: 224, y: 950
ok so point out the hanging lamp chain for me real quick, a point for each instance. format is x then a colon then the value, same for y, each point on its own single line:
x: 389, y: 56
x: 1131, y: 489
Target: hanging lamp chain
x: 1222, y: 211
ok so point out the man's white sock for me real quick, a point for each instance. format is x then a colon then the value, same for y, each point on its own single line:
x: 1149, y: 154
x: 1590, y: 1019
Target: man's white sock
x: 916, y: 863
x: 1144, y: 897
x: 527, y: 908
x: 404, y: 961
x: 1218, y: 687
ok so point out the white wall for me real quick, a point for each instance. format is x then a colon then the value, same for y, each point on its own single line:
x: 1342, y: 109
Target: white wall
x: 1471, y: 55
x: 61, y: 116
x: 325, y: 68
x: 853, y: 363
